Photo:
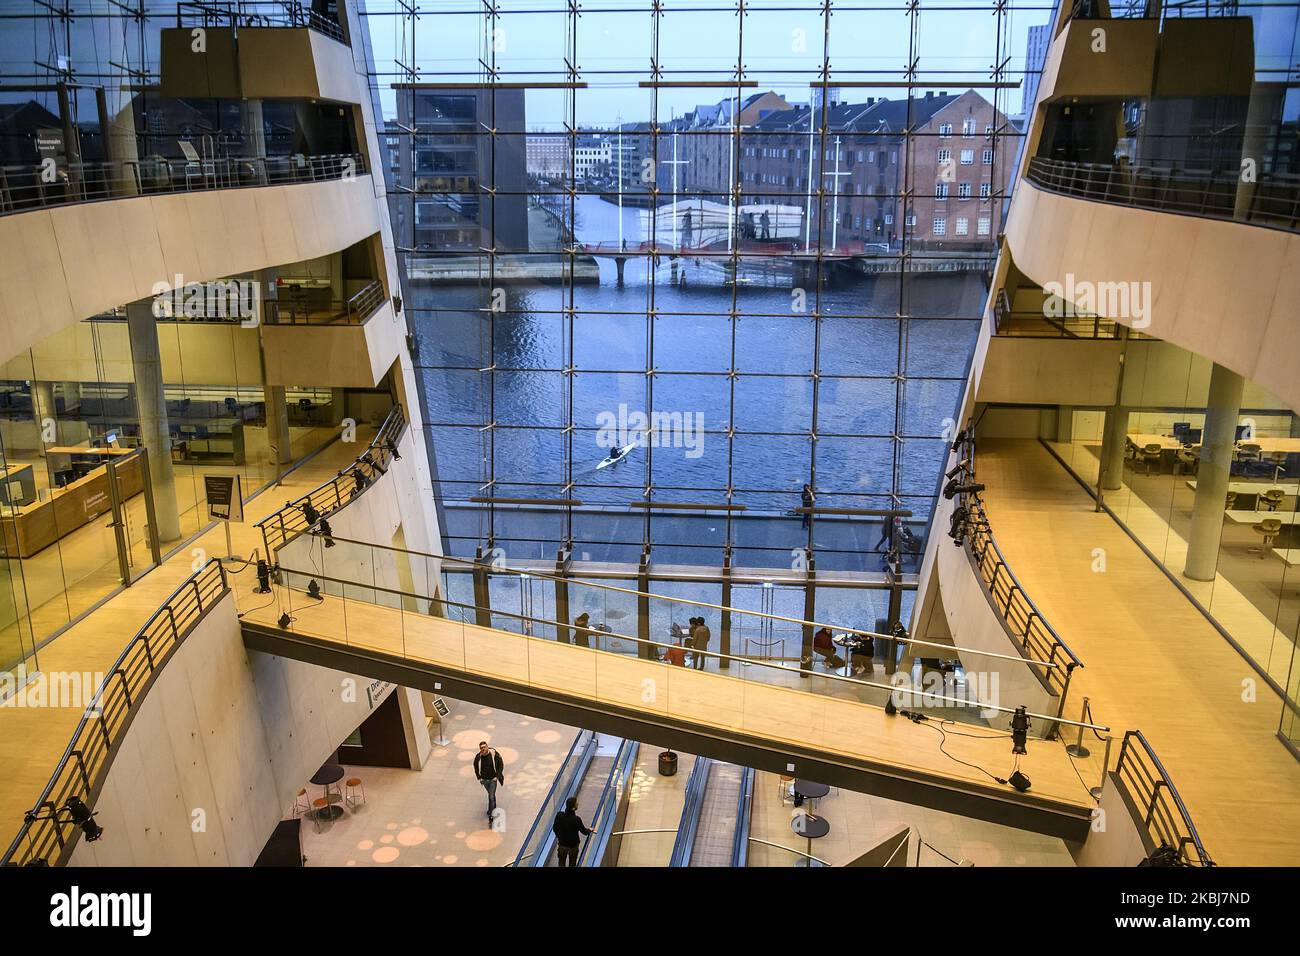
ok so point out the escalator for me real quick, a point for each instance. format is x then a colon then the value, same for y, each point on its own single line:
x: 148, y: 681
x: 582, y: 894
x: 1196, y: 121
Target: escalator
x: 714, y: 829
x: 595, y: 770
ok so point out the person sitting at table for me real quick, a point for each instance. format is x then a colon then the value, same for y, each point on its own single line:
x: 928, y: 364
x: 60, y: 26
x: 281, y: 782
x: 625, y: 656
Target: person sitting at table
x: 864, y: 655
x: 824, y: 645
x: 675, y: 655
x: 582, y: 630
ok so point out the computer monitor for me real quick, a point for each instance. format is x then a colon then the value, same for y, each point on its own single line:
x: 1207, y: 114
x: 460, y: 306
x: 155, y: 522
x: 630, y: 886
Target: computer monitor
x: 1193, y: 436
x: 1181, y: 429
x: 1241, y: 432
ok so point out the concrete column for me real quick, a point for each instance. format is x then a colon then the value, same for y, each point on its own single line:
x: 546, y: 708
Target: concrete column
x: 1114, y: 439
x: 152, y: 406
x: 277, y: 411
x: 71, y: 396
x: 43, y: 410
x: 1260, y: 119
x: 250, y: 117
x: 1218, y: 441
x: 120, y: 143
x: 1065, y: 424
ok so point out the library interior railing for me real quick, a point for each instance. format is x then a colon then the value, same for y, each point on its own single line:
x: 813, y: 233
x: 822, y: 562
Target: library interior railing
x: 295, y: 517
x: 257, y: 13
x: 1168, y: 823
x: 23, y: 188
x: 48, y: 832
x: 1274, y: 200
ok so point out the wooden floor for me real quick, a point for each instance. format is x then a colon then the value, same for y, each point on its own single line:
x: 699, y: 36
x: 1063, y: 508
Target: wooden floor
x: 1151, y: 660
x: 33, y: 739
x: 758, y: 707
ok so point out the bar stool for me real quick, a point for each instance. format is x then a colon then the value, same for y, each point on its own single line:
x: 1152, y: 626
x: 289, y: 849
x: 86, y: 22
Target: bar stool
x: 300, y: 805
x: 1270, y: 499
x: 318, y: 806
x: 786, y: 783
x: 352, y: 785
x: 1268, y: 529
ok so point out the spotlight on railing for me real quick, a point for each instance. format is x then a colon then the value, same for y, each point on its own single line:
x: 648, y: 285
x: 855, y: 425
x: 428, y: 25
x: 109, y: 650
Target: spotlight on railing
x: 83, y: 817
x: 954, y: 487
x: 326, y: 532
x: 959, y: 467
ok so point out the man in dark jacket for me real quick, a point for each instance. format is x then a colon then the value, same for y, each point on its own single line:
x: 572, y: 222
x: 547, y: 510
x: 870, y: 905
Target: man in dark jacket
x: 490, y: 771
x: 567, y: 827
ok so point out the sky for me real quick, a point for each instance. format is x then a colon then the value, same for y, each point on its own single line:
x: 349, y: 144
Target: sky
x: 782, y: 50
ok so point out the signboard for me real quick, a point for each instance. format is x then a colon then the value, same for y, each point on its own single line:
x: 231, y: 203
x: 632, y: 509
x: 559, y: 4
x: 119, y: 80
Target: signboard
x: 441, y: 707
x: 49, y: 143
x: 375, y: 690
x: 225, y: 497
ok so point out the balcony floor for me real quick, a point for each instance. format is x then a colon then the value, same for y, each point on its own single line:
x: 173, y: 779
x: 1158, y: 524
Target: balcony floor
x: 1151, y: 660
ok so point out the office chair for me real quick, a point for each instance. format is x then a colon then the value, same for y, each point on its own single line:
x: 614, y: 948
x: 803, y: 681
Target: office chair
x: 1151, y: 455
x: 1186, y: 461
x: 1268, y: 529
x: 1230, y: 503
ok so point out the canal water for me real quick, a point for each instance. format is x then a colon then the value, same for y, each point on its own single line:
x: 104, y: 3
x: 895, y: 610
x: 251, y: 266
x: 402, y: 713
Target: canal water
x: 737, y: 360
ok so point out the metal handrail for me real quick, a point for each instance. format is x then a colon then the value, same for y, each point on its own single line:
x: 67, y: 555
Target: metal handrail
x: 1274, y: 200
x: 1167, y: 821
x: 46, y: 837
x: 281, y: 527
x: 799, y: 623
x: 23, y: 188
x: 257, y: 13
x: 1025, y: 624
x: 828, y: 676
x: 351, y: 311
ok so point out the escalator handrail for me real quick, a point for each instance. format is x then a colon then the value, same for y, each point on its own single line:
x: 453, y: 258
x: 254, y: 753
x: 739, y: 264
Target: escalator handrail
x: 584, y: 738
x: 692, y: 808
x: 602, y: 821
x: 744, y: 816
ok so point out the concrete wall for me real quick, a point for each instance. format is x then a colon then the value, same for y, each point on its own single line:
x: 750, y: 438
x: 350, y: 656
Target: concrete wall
x: 224, y: 738
x: 1219, y: 289
x: 58, y: 266
x: 1117, y: 838
x: 1050, y: 371
x: 265, y: 63
x: 342, y: 356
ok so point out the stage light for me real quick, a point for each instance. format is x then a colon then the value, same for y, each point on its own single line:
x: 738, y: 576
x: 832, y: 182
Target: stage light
x: 309, y: 513
x: 313, y: 592
x: 326, y: 532
x: 959, y: 467
x: 392, y: 450
x: 263, y: 578
x: 1019, y: 731
x: 84, y: 818
x: 284, y: 621
x: 955, y: 487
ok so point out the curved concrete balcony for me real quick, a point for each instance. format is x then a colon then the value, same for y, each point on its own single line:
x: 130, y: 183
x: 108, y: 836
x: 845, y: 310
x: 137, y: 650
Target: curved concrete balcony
x: 60, y: 265
x: 1221, y: 289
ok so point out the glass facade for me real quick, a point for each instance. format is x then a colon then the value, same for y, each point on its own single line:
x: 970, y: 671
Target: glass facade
x: 668, y: 264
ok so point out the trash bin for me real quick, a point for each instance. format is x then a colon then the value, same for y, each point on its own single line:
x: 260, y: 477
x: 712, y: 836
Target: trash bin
x: 667, y: 764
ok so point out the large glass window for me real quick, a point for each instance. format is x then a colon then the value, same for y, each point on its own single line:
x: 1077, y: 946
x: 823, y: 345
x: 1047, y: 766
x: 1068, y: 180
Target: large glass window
x: 658, y: 273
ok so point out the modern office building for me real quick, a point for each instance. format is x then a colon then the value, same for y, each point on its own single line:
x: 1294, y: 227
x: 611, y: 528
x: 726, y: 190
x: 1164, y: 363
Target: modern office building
x: 844, y: 474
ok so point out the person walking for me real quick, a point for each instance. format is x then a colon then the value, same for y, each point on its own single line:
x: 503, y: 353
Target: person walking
x: 567, y: 828
x: 490, y: 772
x: 700, y: 635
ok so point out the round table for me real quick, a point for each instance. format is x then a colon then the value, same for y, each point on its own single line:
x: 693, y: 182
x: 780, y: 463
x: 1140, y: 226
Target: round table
x: 810, y: 827
x: 850, y: 643
x: 810, y: 789
x: 326, y: 775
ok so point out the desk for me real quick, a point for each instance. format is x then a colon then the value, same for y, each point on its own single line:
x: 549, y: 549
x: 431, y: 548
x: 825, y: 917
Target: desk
x: 25, y: 478
x: 32, y: 528
x: 1290, y: 488
x: 1267, y: 446
x: 1290, y: 555
x: 1255, y: 517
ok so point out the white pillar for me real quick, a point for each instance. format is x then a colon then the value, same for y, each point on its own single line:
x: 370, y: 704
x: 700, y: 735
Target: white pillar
x: 152, y: 407
x: 1218, y: 442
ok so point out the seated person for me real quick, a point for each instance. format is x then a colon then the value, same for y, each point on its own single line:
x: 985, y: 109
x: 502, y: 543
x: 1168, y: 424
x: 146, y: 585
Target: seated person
x: 676, y: 655
x: 824, y: 646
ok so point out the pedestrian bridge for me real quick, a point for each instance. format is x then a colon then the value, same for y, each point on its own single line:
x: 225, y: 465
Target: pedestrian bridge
x: 369, y: 610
